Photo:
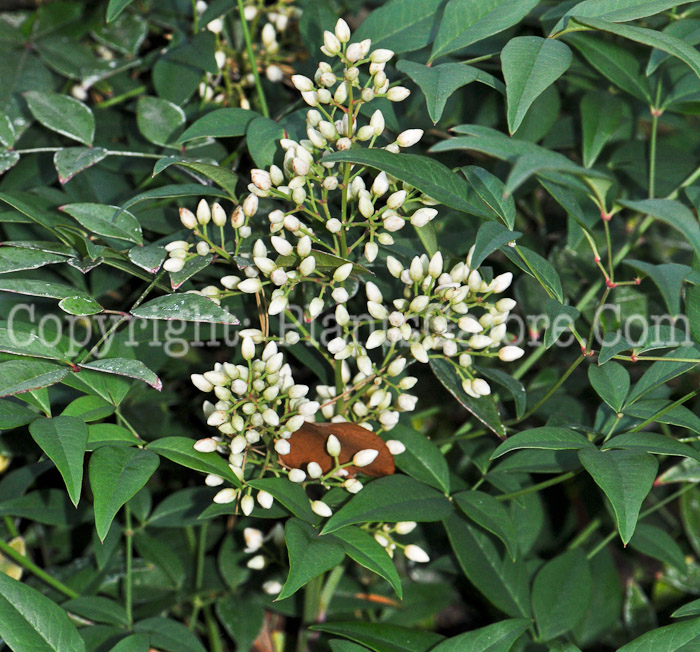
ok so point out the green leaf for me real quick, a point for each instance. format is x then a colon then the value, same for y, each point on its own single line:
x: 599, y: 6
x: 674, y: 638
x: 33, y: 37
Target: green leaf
x: 46, y: 506
x: 531, y: 64
x: 561, y: 592
x: 427, y: 175
x: 80, y: 306
x: 125, y: 367
x: 484, y: 408
x: 512, y: 386
x: 659, y: 544
x: 690, y: 609
x: 669, y: 278
x: 291, y: 496
x: 611, y: 382
x: 382, y: 637
x: 616, y: 11
x: 677, y: 416
x: 158, y: 120
x: 401, y: 25
x: 439, y: 82
x: 539, y: 268
x: 626, y: 477
x: 185, y: 307
x: 115, y: 7
x: 560, y: 318
x: 19, y: 376
x: 8, y: 160
x: 135, y: 642
x: 224, y: 177
x: 601, y: 114
x: 614, y: 62
x: 14, y: 415
x: 150, y: 257
x: 64, y: 440
x: 392, y: 498
x: 492, y: 193
x: 62, y: 114
x: 651, y: 37
x: 181, y: 451
x: 69, y: 161
x: 422, y: 459
x: 39, y: 288
x: 15, y: 259
x: 363, y: 548
x: 169, y: 635
x: 88, y: 408
x: 30, y: 621
x: 490, y: 514
x: 651, y: 442
x: 546, y: 438
x: 660, y: 372
x: 97, y: 608
x: 490, y: 237
x: 502, y: 582
x: 193, y: 266
x: 116, y: 475
x: 108, y: 221
x: 262, y: 137
x: 498, y: 637
x: 220, y: 123
x: 242, y: 617
x: 672, y: 638
x: 109, y: 434
x: 182, y: 508
x: 309, y: 555
x: 469, y: 21
x: 690, y: 517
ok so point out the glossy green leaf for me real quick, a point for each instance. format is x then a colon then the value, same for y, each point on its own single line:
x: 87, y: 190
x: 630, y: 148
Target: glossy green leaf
x: 8, y: 160
x: 427, y: 175
x: 438, y: 83
x: 262, y: 137
x: 601, y: 114
x: 502, y: 582
x: 309, y: 555
x: 108, y: 221
x: 64, y: 440
x: 651, y: 442
x: 125, y: 367
x: 70, y: 161
x: 30, y: 621
x: 39, y: 288
x: 222, y: 176
x: 63, y: 114
x: 547, y: 438
x: 539, y: 268
x: 363, y: 548
x: 169, y: 635
x: 530, y: 65
x: 626, y: 477
x: 392, y: 498
x: 47, y: 506
x: 498, y: 637
x: 483, y: 408
x: 290, y: 495
x: 560, y: 318
x: 690, y: 609
x: 185, y: 307
x: 158, y: 120
x: 19, y: 376
x: 382, y: 637
x: 133, y: 643
x: 660, y: 372
x: 109, y: 434
x: 88, y: 408
x: 116, y: 475
x: 659, y: 544
x: 401, y: 25
x: 679, y: 637
x: 422, y: 459
x: 97, y: 608
x: 611, y: 382
x: 181, y: 451
x: 492, y: 193
x: 678, y: 416
x: 115, y: 7
x: 220, y: 123
x: 490, y: 514
x: 242, y: 617
x: 16, y: 259
x: 14, y: 415
x: 469, y: 21
x: 561, y: 593
x: 490, y: 237
x: 80, y: 306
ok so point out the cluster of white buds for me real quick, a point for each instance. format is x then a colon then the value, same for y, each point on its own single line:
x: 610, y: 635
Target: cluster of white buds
x: 384, y: 536
x: 460, y: 315
x: 255, y: 542
x: 268, y: 25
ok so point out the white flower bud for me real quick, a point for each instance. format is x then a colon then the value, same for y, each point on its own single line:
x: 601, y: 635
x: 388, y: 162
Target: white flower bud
x: 352, y: 485
x: 206, y: 445
x: 265, y: 499
x: 212, y: 480
x: 380, y: 185
x: 394, y: 266
x: 272, y: 587
x: 248, y: 348
x: 331, y: 43
x: 422, y: 216
x: 377, y: 122
x: 405, y: 527
x: 510, y: 353
x: 188, y: 219
x: 225, y: 496
x: 297, y: 475
x: 247, y: 505
x: 502, y: 282
x: 340, y: 295
x: 201, y: 383
x: 333, y: 446
x: 342, y: 272
x: 381, y: 55
x: 480, y: 341
x: 419, y: 353
x: 371, y: 251
x: 342, y: 31
x: 365, y: 133
x: 397, y: 94
x: 310, y: 97
x: 409, y: 137
x: 282, y: 447
x: 249, y: 286
x: 218, y: 214
x: 416, y: 553
x: 481, y: 387
x: 375, y: 339
x: 365, y: 457
x: 173, y: 265
x: 395, y: 446
x: 320, y: 508
x: 203, y: 212
x: 302, y: 84
x: 257, y: 562
x: 469, y: 324
x: 250, y: 205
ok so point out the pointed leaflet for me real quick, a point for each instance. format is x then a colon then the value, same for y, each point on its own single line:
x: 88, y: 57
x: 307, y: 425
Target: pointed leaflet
x: 309, y: 555
x: 116, y: 475
x: 679, y: 637
x: 392, y: 498
x: 490, y: 237
x: 651, y: 442
x: 491, y: 191
x: 530, y: 65
x: 107, y: 221
x: 382, y: 637
x: 158, y: 120
x: 69, y: 161
x: 19, y: 376
x: 546, y: 437
x: 611, y: 382
x: 659, y: 544
x: 626, y: 477
x: 669, y: 279
x: 561, y: 593
x: 469, y: 21
x: 220, y: 123
x: 31, y: 621
x: 498, y: 637
x: 601, y: 114
x: 185, y: 307
x: 64, y: 440
x: 63, y: 114
x: 125, y: 367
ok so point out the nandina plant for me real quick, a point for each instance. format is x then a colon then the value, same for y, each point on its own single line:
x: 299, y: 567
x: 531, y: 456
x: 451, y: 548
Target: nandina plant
x: 359, y: 326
